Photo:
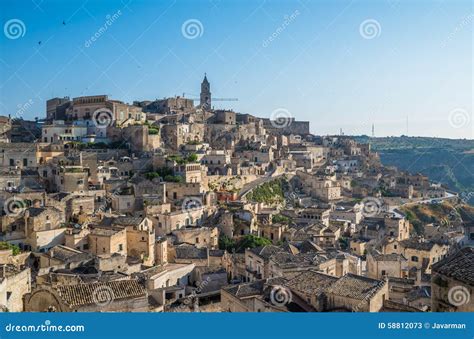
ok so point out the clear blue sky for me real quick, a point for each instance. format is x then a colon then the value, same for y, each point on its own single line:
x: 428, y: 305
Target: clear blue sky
x: 318, y: 66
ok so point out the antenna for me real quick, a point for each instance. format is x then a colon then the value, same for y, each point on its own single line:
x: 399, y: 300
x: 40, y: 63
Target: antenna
x: 373, y: 130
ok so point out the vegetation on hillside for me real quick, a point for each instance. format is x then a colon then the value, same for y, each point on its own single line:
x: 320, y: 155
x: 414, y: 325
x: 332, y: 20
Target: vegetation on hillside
x: 6, y: 246
x: 165, y: 173
x: 280, y: 219
x: 447, y: 161
x: 270, y: 192
x: 247, y: 241
x: 183, y: 160
x: 443, y: 214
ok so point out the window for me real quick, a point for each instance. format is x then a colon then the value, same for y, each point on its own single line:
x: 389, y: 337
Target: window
x: 120, y: 247
x: 414, y: 258
x: 197, y: 240
x: 384, y: 273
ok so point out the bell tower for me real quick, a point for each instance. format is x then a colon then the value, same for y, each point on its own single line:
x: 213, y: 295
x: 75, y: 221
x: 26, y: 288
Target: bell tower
x: 205, y: 94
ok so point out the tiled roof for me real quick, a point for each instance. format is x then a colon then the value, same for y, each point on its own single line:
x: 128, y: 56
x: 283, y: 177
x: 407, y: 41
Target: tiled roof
x: 417, y: 244
x: 67, y: 254
x: 190, y: 252
x: 311, y: 282
x: 266, y: 252
x: 459, y: 266
x: 127, y: 221
x: 105, y: 231
x: 254, y: 288
x: 419, y: 292
x: 355, y: 286
x: 82, y: 294
x: 387, y: 257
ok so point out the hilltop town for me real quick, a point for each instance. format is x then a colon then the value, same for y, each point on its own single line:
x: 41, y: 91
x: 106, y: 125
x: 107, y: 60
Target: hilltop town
x: 173, y: 206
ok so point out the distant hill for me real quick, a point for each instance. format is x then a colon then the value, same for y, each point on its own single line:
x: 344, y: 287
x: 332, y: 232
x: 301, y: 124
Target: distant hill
x: 448, y: 161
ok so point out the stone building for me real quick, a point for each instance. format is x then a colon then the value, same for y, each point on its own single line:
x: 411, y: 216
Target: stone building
x: 257, y: 261
x: 452, y: 282
x: 110, y: 296
x: 107, y: 240
x: 15, y: 282
x: 380, y: 265
x: 198, y: 236
x: 420, y: 254
x: 205, y: 97
x: 18, y: 155
x: 357, y: 294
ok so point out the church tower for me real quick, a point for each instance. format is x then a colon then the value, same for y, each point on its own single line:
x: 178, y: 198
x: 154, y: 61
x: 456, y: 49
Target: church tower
x: 205, y: 94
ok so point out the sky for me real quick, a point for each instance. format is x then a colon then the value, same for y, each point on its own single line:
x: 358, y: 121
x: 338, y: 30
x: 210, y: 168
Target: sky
x: 405, y: 67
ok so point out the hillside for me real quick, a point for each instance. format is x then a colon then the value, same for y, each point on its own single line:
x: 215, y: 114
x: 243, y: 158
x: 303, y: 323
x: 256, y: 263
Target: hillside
x: 444, y: 214
x: 448, y: 161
